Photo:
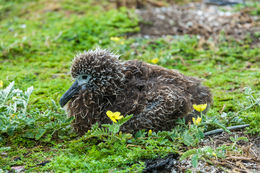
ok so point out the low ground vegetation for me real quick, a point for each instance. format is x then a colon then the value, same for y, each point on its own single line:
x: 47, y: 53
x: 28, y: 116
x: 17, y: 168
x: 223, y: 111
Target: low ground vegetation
x: 38, y: 41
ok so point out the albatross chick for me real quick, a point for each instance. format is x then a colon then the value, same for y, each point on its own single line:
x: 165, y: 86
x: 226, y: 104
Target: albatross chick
x: 156, y: 96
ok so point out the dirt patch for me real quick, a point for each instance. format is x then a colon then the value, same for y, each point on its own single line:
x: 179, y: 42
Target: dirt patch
x: 197, y: 19
x: 143, y: 3
x: 245, y: 159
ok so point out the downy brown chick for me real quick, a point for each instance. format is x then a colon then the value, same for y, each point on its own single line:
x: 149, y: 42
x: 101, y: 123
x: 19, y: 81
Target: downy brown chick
x: 154, y: 95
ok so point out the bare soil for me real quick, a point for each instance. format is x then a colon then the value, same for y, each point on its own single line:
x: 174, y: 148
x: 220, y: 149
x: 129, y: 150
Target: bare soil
x: 245, y: 159
x: 199, y: 19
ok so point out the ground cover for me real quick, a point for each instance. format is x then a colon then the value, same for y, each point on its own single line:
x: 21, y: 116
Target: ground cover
x: 38, y: 42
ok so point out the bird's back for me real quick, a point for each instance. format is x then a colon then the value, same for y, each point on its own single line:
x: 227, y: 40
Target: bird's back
x: 156, y: 76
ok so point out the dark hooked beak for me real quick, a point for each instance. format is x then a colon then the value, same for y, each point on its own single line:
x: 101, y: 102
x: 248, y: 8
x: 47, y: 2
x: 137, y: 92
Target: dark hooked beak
x: 74, y: 89
x: 71, y: 92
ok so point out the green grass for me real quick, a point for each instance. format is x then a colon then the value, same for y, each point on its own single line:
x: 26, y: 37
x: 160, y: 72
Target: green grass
x: 38, y: 42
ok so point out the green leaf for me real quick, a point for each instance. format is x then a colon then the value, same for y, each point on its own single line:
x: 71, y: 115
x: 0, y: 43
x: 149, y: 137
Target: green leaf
x: 194, y: 160
x: 140, y: 133
x: 232, y: 139
x: 201, y: 134
x: 242, y: 138
x: 10, y: 130
x: 69, y: 120
x: 29, y: 134
x: 2, y: 149
x: 188, y: 153
x: 40, y: 133
x: 124, y: 120
x: 188, y: 139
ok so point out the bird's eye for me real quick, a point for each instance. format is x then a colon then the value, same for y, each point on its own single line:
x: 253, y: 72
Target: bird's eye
x: 84, y: 77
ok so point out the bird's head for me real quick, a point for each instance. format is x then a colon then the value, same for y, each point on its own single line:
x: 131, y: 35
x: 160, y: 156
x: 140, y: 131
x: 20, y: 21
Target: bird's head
x: 96, y: 71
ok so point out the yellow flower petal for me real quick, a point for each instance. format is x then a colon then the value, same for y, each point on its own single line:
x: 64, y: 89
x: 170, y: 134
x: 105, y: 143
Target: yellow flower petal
x: 113, y: 119
x: 155, y: 60
x: 109, y: 114
x: 119, y: 118
x: 150, y: 132
x: 198, y: 120
x: 116, y: 114
x: 1, y: 84
x: 200, y: 108
x: 193, y: 120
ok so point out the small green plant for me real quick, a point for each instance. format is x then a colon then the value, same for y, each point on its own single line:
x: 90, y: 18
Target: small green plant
x: 17, y: 121
x: 106, y: 134
x: 195, y: 133
x: 13, y: 109
x: 236, y: 139
x: 109, y: 130
x: 200, y: 154
x: 207, y: 153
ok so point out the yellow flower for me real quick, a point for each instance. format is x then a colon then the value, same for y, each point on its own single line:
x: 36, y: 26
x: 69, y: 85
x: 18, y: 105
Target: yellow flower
x: 155, y: 60
x: 114, y: 116
x: 1, y: 84
x: 117, y: 40
x: 200, y: 108
x: 13, y: 116
x: 196, y: 121
x: 214, y: 154
x: 150, y: 132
